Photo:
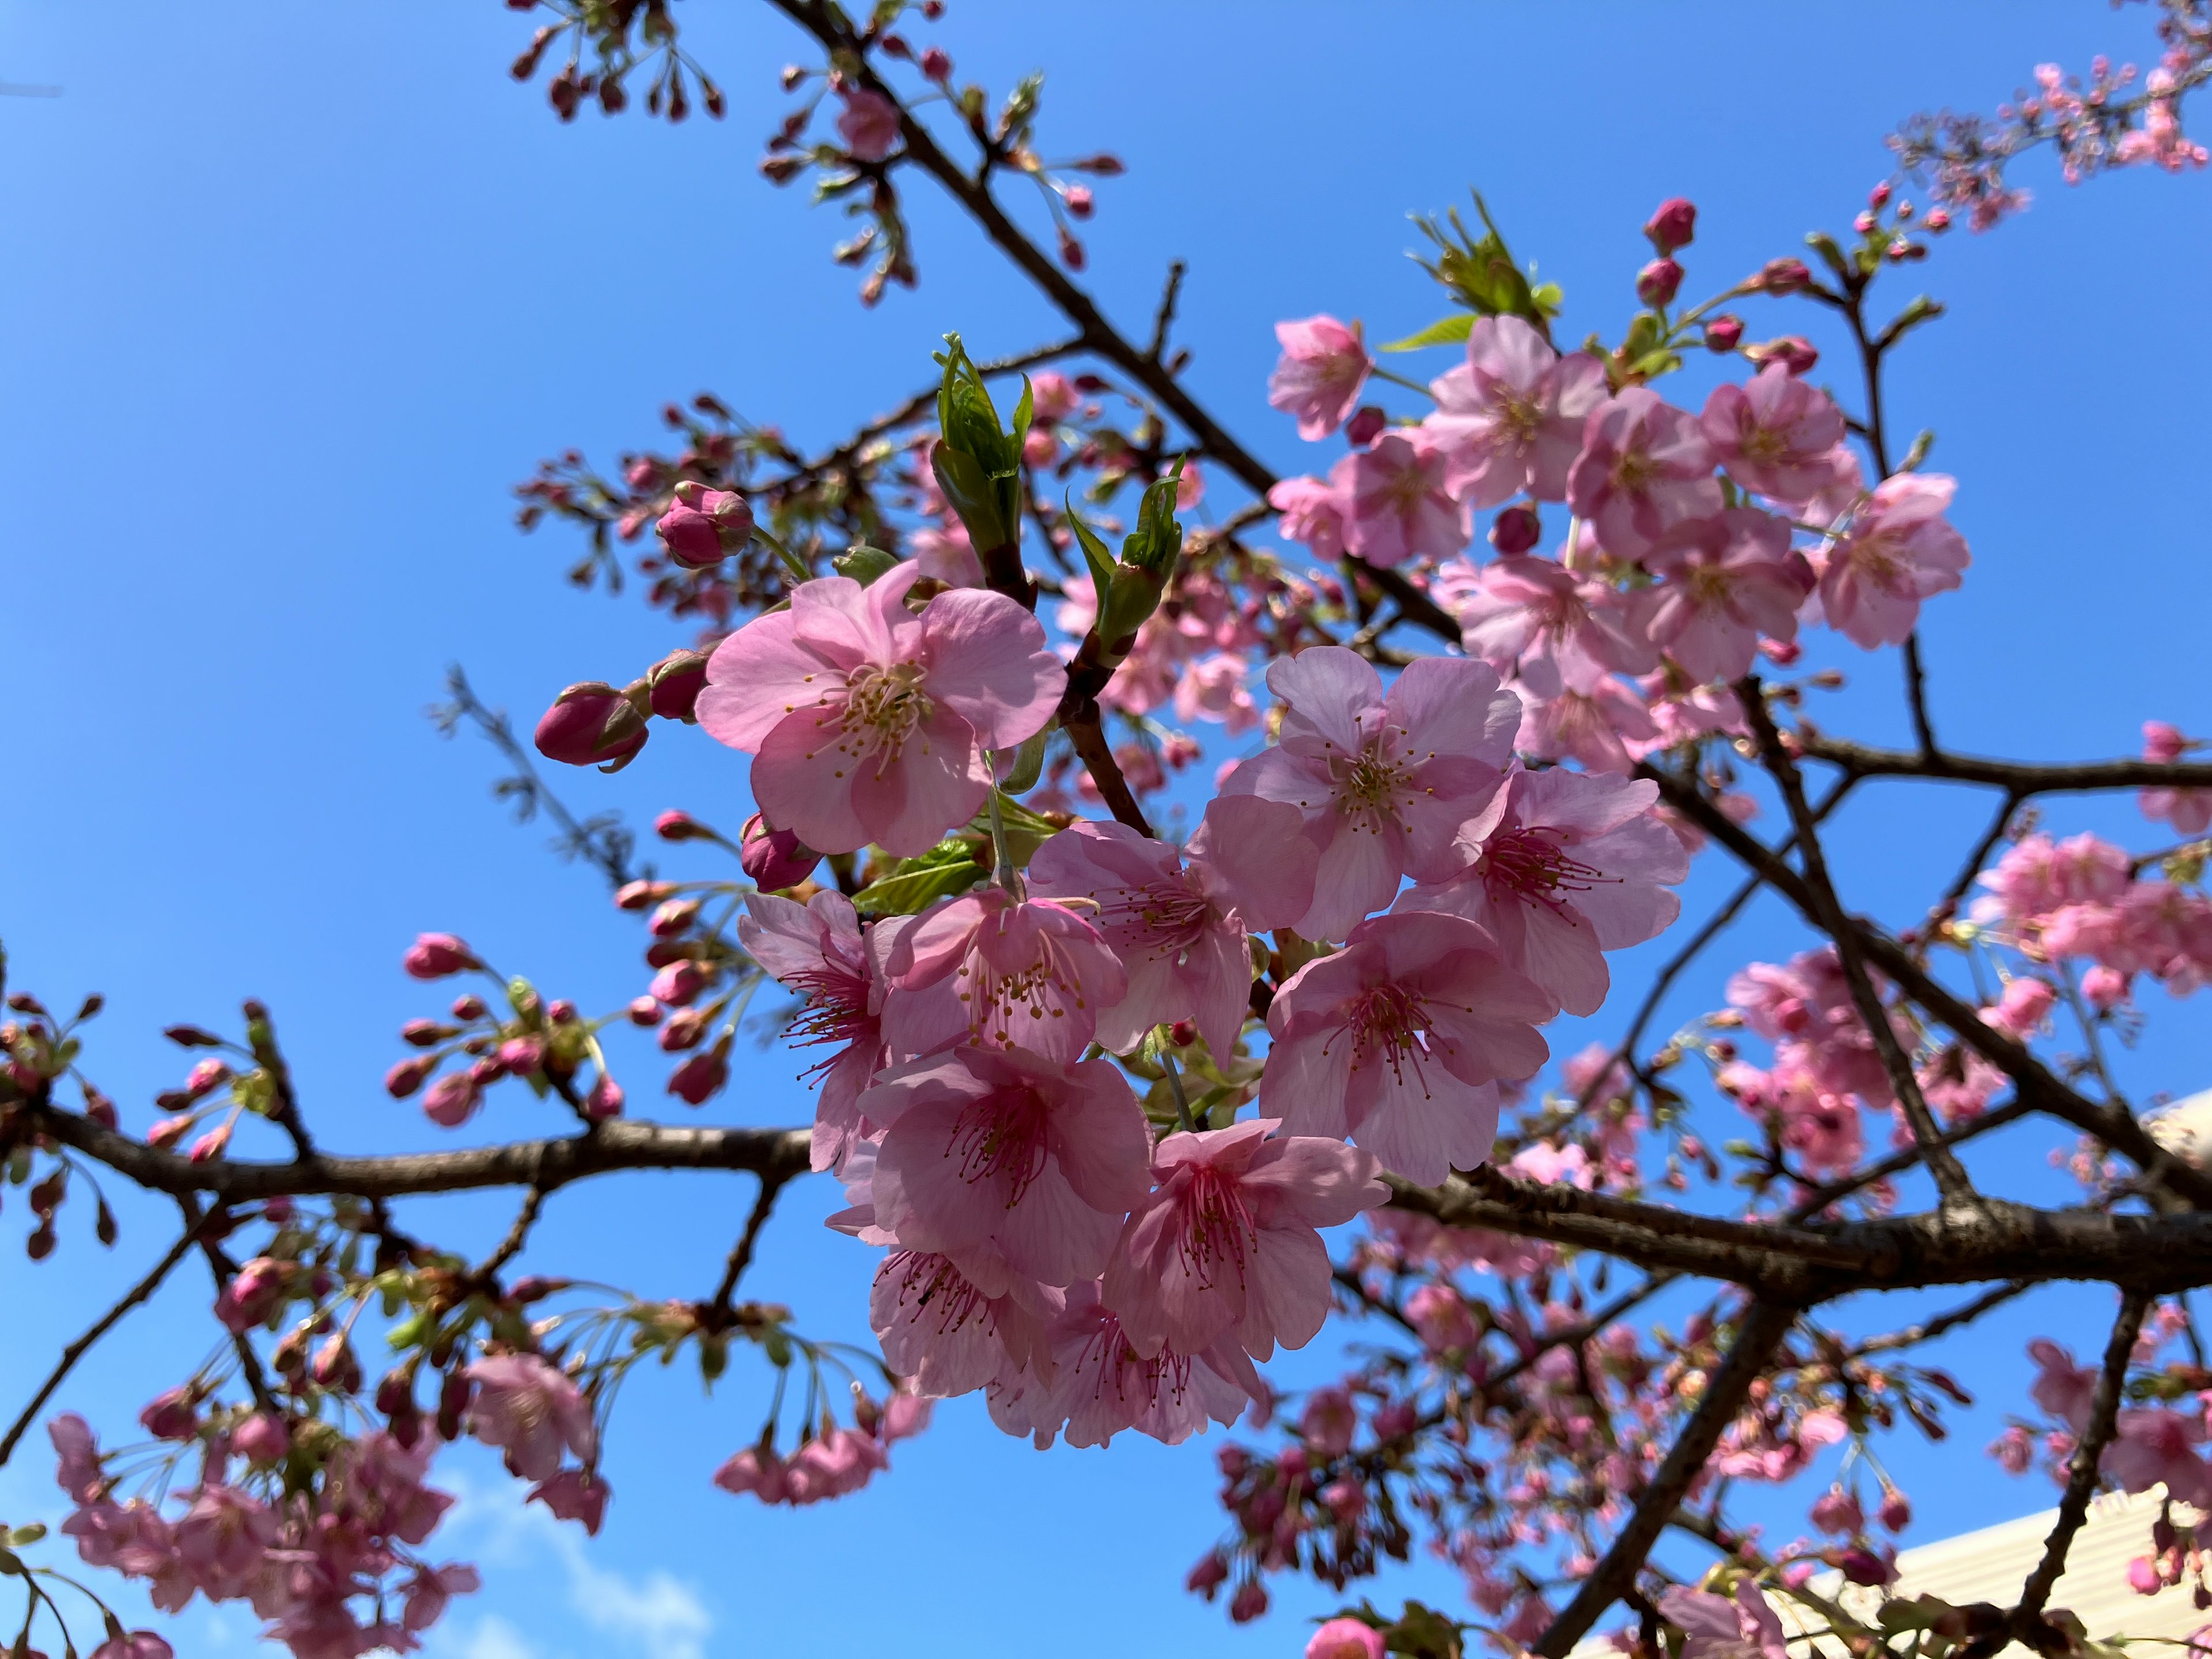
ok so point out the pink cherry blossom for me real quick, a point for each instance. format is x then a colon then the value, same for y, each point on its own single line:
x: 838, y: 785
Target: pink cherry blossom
x: 1560, y: 867
x: 531, y: 1412
x: 1225, y: 1247
x: 1899, y: 550
x: 1536, y: 619
x: 869, y: 123
x: 1719, y: 1627
x: 1737, y: 580
x: 78, y: 1472
x: 2189, y: 810
x: 1509, y: 419
x: 2150, y: 1445
x: 1181, y: 924
x: 1384, y: 781
x: 574, y: 1495
x: 818, y: 950
x: 1318, y: 378
x: 1009, y: 1164
x: 1398, y: 1041
x: 2060, y: 1387
x: 1777, y: 436
x: 430, y: 1589
x: 1398, y: 508
x: 1344, y: 1638
x: 1101, y: 1385
x: 939, y: 1330
x: 1645, y: 468
x: 1594, y: 718
x: 1213, y: 688
x: 1314, y: 513
x: 868, y: 722
x: 1012, y: 972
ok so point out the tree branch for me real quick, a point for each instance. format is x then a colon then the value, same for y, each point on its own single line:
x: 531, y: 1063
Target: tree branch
x: 2022, y: 778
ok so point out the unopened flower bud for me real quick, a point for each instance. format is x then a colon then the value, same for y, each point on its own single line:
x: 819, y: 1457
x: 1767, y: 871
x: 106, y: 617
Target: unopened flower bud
x: 174, y: 1415
x: 470, y: 1007
x: 1724, y: 332
x: 451, y: 1099
x: 702, y: 1076
x: 704, y: 526
x: 643, y: 895
x: 774, y: 857
x: 644, y: 1010
x: 605, y: 1100
x: 684, y: 1029
x: 1779, y: 277
x: 335, y: 1367
x: 1658, y: 283
x: 674, y: 918
x: 423, y: 1033
x: 674, y: 683
x: 1938, y: 220
x: 437, y: 956
x: 673, y: 825
x: 261, y: 1439
x: 1080, y: 202
x: 560, y: 1011
x: 591, y: 724
x: 935, y: 64
x: 679, y: 983
x: 1672, y: 225
x: 1794, y: 353
x: 1249, y: 1603
x: 1896, y: 1510
x: 1208, y: 1576
x: 1365, y: 426
x: 1517, y: 530
x: 522, y: 1054
x: 170, y: 1131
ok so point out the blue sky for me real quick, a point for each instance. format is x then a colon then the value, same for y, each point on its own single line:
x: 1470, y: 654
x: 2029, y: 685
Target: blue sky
x: 287, y: 303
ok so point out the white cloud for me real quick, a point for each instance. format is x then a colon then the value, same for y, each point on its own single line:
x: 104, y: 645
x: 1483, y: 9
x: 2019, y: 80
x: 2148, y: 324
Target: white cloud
x: 493, y: 1637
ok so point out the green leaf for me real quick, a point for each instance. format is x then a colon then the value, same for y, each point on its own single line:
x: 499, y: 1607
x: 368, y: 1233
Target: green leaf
x: 1445, y: 330
x: 1095, y: 554
x: 863, y: 563
x: 1026, y: 831
x: 1028, y: 765
x: 947, y: 868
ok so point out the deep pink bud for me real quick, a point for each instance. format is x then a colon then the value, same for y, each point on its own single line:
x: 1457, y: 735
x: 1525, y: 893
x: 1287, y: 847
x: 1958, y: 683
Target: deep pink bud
x: 437, y: 956
x: 1249, y: 1603
x: 170, y: 1131
x: 1656, y: 284
x: 606, y: 1099
x: 251, y: 1295
x: 335, y: 1367
x: 560, y: 1011
x: 1724, y: 332
x: 679, y: 983
x: 705, y: 526
x: 684, y: 1029
x: 591, y: 724
x: 638, y: 895
x: 644, y: 1010
x: 2143, y: 1576
x: 470, y: 1007
x: 674, y: 918
x: 1208, y: 1576
x: 2163, y: 742
x: 423, y: 1034
x: 173, y: 1416
x: 1794, y: 352
x: 1517, y: 530
x: 1896, y: 1510
x: 1779, y: 277
x: 1671, y: 226
x: 1865, y: 1567
x: 935, y: 64
x: 522, y: 1054
x: 1939, y: 220
x: 1080, y: 202
x: 451, y: 1099
x: 1365, y: 426
x: 675, y: 682
x: 700, y: 1077
x: 207, y: 1075
x: 673, y: 825
x: 261, y: 1439
x: 774, y: 857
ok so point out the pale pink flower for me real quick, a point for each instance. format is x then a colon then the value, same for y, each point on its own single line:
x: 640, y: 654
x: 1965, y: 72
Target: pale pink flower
x: 2151, y: 1445
x: 1645, y: 469
x: 1441, y: 1318
x: 1560, y: 867
x: 1011, y: 1164
x: 818, y: 950
x: 1398, y: 508
x: 1225, y: 1247
x: 1899, y: 550
x: 1212, y: 689
x: 1181, y: 924
x: 2060, y: 1387
x: 574, y: 1495
x: 1530, y: 617
x: 2189, y: 810
x: 946, y: 1336
x: 1012, y: 972
x: 1719, y: 1627
x: 1314, y: 513
x: 2013, y: 1451
x: 531, y: 1412
x: 1511, y: 417
x: 833, y: 1465
x: 1594, y: 718
x: 944, y: 553
x: 1837, y: 1511
x: 2038, y: 875
x: 1320, y: 374
x: 1101, y: 1385
x: 757, y: 1469
x: 1736, y: 579
x: 1329, y: 1420
x: 1777, y: 436
x: 1384, y: 781
x: 221, y: 1539
x: 1054, y: 396
x: 869, y: 123
x: 868, y: 722
x: 2022, y: 1011
x: 78, y: 1472
x: 1398, y: 1041
x: 1346, y: 1638
x: 429, y: 1589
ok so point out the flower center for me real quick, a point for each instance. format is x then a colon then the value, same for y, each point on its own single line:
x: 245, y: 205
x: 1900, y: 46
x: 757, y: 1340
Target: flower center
x: 1371, y: 785
x: 836, y: 1011
x: 932, y: 1283
x: 1531, y: 865
x: 883, y: 706
x: 1166, y: 918
x: 1000, y: 1137
x: 1043, y: 988
x: 1387, y: 1023
x: 1218, y: 1231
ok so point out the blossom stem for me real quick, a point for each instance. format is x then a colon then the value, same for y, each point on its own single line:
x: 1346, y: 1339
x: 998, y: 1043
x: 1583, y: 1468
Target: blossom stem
x: 793, y: 563
x: 1379, y: 373
x: 1002, y: 858
x: 1175, y: 1087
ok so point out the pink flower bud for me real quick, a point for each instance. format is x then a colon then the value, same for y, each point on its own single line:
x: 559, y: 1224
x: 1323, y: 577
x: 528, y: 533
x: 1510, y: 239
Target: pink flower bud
x: 644, y: 1010
x: 1671, y: 226
x: 437, y: 956
x: 451, y: 1099
x: 591, y: 724
x: 2162, y: 743
x: 1779, y: 277
x: 1080, y: 202
x: 640, y: 894
x: 1723, y: 332
x: 1249, y: 1603
x: 1864, y: 1567
x: 2105, y: 988
x: 170, y: 1131
x: 705, y: 526
x: 173, y: 1416
x: 1365, y: 426
x: 261, y: 1439
x: 251, y: 1295
x: 673, y: 825
x: 935, y: 64
x: 335, y: 1367
x: 134, y: 1645
x: 210, y: 1146
x: 674, y: 918
x: 774, y: 857
x: 698, y: 1078
x: 679, y: 983
x: 674, y: 684
x: 1656, y: 284
x: 523, y: 1055
x: 1794, y: 353
x: 1836, y: 1510
x: 468, y: 1007
x: 560, y: 1011
x: 1896, y: 1510
x: 2143, y: 1576
x: 684, y: 1029
x: 605, y: 1100
x: 1348, y: 1638
x: 206, y: 1076
x: 1517, y: 530
x: 423, y: 1034
x: 1208, y: 1576
x: 1938, y: 221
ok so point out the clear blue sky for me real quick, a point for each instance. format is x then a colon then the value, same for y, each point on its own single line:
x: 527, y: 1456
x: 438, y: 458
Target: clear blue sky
x: 290, y: 293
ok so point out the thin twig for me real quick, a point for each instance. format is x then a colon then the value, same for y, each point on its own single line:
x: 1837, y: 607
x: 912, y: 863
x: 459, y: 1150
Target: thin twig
x: 517, y: 1236
x: 741, y: 1253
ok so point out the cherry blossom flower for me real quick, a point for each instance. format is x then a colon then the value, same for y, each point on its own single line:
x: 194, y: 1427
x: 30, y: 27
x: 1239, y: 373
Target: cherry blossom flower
x: 531, y: 1412
x: 1560, y: 867
x: 1212, y: 689
x: 1226, y: 1245
x: 1899, y: 550
x: 1509, y: 419
x: 1037, y: 1161
x: 946, y: 1336
x: 1384, y: 781
x: 1719, y: 1627
x: 1645, y: 468
x: 79, y: 1471
x: 2151, y: 1445
x: 818, y: 950
x: 2189, y: 810
x: 1346, y: 1638
x: 1180, y: 924
x: 2060, y: 1387
x: 869, y: 123
x: 574, y: 1495
x: 1318, y: 378
x: 1101, y: 1385
x: 1398, y: 508
x: 1594, y: 718
x: 1736, y: 579
x: 1012, y: 973
x: 1777, y: 436
x: 1314, y: 512
x: 1398, y: 1040
x: 868, y: 723
x: 1536, y: 619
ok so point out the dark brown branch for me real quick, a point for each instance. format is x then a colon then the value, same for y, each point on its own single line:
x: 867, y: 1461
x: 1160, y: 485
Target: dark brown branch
x: 1087, y: 736
x: 100, y: 1327
x: 1164, y: 318
x: 517, y: 1236
x: 1927, y: 1330
x: 2023, y: 778
x: 1763, y: 1328
x: 2088, y: 1452
x: 741, y: 1253
x: 1951, y: 1178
